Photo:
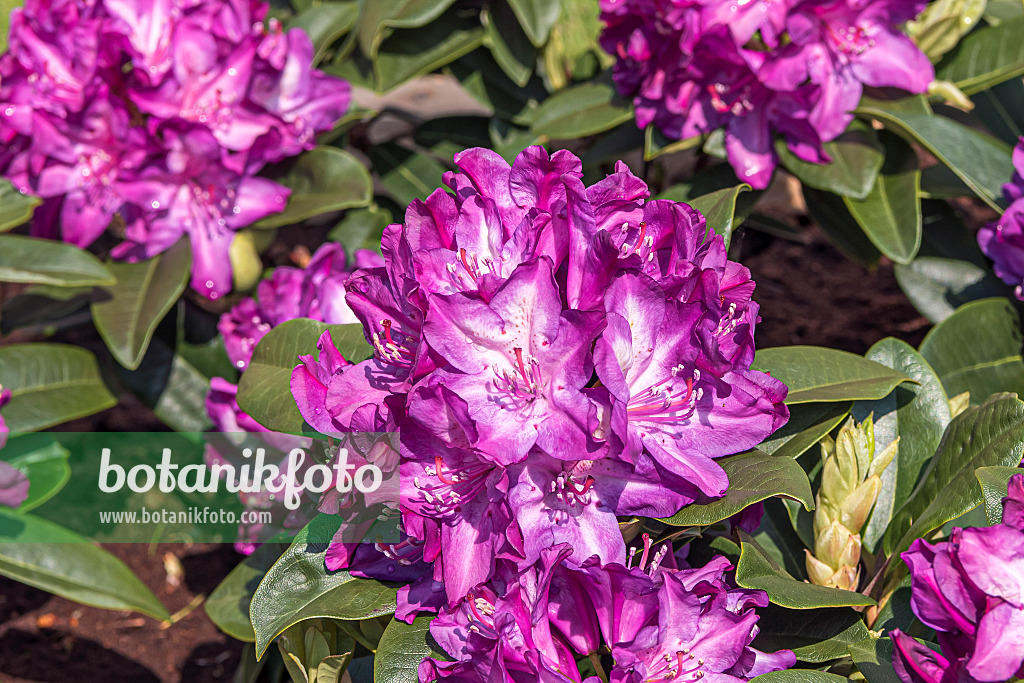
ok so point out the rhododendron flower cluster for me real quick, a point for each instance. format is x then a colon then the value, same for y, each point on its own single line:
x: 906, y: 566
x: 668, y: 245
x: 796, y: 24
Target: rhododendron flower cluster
x: 552, y: 355
x: 158, y: 114
x: 1003, y: 240
x: 315, y: 291
x: 970, y: 589
x: 790, y: 68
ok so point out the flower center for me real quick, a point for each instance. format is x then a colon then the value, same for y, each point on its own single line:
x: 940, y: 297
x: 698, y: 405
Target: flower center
x: 570, y: 492
x: 851, y: 40
x: 520, y: 386
x: 446, y: 488
x: 670, y: 401
x: 734, y: 98
x: 391, y: 351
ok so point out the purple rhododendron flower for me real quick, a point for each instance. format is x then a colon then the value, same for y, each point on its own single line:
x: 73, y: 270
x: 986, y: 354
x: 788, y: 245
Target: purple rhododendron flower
x: 553, y: 356
x: 970, y: 589
x: 794, y: 68
x: 1003, y: 241
x: 155, y: 117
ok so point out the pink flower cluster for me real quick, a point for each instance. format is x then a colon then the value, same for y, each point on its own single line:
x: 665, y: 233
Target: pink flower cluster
x: 159, y: 114
x: 758, y: 69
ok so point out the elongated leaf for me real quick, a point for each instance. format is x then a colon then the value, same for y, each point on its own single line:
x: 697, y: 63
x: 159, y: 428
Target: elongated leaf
x: 890, y: 213
x: 50, y: 384
x: 537, y: 17
x: 379, y: 19
x: 982, y: 436
x: 917, y: 414
x: 264, y: 391
x: 299, y: 587
x: 408, y: 54
x: 832, y: 215
x: 657, y: 144
x: 402, y: 648
x: 45, y: 463
x: 981, y: 161
x: 873, y: 658
x: 798, y: 676
x: 759, y: 571
x: 322, y: 180
x: 936, y: 286
x: 994, y: 482
x: 128, y: 314
x: 813, y: 635
x: 808, y: 423
x: 986, y: 57
x: 405, y: 174
x: 228, y: 604
x: 326, y: 23
x: 753, y: 476
x: 508, y: 43
x: 978, y: 349
x: 816, y: 374
x: 49, y: 557
x: 15, y: 208
x: 37, y: 261
x: 857, y: 158
x: 719, y: 209
x: 580, y: 111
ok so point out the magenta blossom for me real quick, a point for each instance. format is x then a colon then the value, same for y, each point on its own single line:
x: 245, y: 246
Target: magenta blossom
x: 970, y: 589
x: 1003, y: 241
x: 789, y: 68
x: 155, y: 118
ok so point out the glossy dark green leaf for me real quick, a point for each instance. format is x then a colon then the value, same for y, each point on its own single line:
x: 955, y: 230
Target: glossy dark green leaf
x: 50, y: 384
x: 857, y: 158
x: 361, y: 229
x: 816, y: 374
x: 994, y: 482
x: 753, y: 476
x: 580, y: 111
x: 657, y: 143
x: 38, y: 261
x: 228, y: 604
x: 379, y: 19
x: 509, y: 44
x: 407, y: 175
x: 322, y: 180
x: 759, y: 571
x: 937, y: 286
x: 981, y: 161
x: 832, y: 215
x: 402, y: 648
x: 799, y: 676
x: 808, y: 423
x: 813, y: 635
x: 781, y: 539
x: 49, y: 557
x: 917, y: 414
x: 537, y: 17
x: 408, y: 54
x: 986, y: 57
x: 1001, y: 109
x: 15, y: 208
x: 45, y: 463
x: 264, y: 392
x: 991, y: 434
x: 890, y: 213
x: 873, y: 657
x: 326, y: 23
x: 299, y: 587
x: 127, y: 313
x: 719, y: 209
x: 978, y: 349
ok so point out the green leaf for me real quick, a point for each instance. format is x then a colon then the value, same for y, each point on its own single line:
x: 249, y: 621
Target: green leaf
x: 414, y: 53
x: 978, y: 349
x: 890, y: 214
x: 264, y: 391
x: 994, y: 482
x: 816, y: 374
x: 835, y: 220
x: 402, y: 648
x: 15, y: 208
x: 936, y: 286
x: 857, y: 158
x: 759, y: 571
x: 45, y: 463
x: 798, y: 676
x: 943, y: 23
x: 537, y: 17
x: 50, y: 384
x: 808, y: 423
x: 325, y: 24
x: 873, y: 658
x: 508, y: 43
x: 322, y: 180
x: 917, y: 414
x: 719, y: 209
x: 657, y: 143
x: 38, y: 261
x: 813, y: 635
x: 1001, y: 109
x: 379, y: 19
x: 128, y: 314
x: 981, y: 161
x: 982, y: 436
x: 753, y: 477
x: 405, y: 174
x: 986, y: 57
x: 51, y: 558
x: 361, y: 229
x: 228, y: 604
x: 580, y: 111
x: 299, y: 587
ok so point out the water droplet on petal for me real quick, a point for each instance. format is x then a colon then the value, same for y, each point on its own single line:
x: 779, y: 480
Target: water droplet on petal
x: 155, y: 204
x: 240, y: 364
x: 9, y: 111
x: 236, y: 209
x: 232, y: 71
x: 209, y: 284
